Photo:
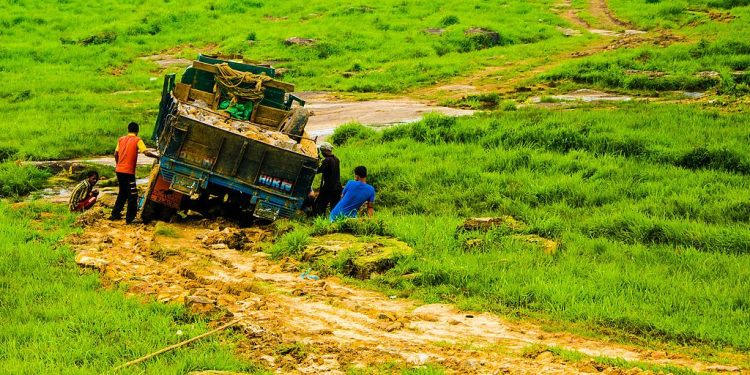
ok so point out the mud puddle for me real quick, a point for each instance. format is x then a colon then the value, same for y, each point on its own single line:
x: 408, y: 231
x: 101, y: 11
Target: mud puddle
x: 297, y: 324
x: 328, y: 113
x: 584, y: 95
x: 60, y: 192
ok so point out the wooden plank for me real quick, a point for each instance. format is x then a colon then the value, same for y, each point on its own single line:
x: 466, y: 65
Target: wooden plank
x: 288, y: 87
x: 207, y: 97
x: 181, y: 91
x: 269, y: 116
x: 205, y: 67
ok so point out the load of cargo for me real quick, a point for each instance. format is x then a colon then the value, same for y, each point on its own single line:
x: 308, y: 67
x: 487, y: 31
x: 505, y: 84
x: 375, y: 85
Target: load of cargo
x: 197, y: 111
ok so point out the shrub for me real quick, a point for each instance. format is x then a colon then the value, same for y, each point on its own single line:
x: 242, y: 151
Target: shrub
x: 17, y: 180
x: 721, y: 159
x: 449, y: 20
x: 348, y: 133
x: 291, y: 243
x: 7, y: 152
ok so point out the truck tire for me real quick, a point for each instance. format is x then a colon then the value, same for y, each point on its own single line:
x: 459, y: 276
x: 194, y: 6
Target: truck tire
x: 148, y: 212
x: 156, y: 211
x: 296, y: 124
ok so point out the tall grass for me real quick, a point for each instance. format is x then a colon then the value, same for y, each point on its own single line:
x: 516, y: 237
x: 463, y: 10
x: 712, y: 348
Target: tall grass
x: 16, y: 180
x: 56, y: 318
x: 648, y: 246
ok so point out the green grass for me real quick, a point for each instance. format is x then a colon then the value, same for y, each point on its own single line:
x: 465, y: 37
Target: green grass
x: 706, y: 46
x: 57, y: 318
x: 16, y: 180
x: 676, y: 14
x: 576, y: 356
x: 75, y: 76
x: 649, y: 204
x: 396, y: 368
x: 649, y: 246
x: 290, y: 244
x: 165, y: 230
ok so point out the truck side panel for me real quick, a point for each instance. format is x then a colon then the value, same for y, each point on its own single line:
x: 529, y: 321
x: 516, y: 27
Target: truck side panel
x: 235, y: 158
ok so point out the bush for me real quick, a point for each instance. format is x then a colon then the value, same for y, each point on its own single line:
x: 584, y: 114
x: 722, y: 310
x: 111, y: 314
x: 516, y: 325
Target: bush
x: 449, y: 20
x: 7, y: 152
x: 351, y: 132
x: 290, y: 244
x: 721, y: 159
x: 17, y: 180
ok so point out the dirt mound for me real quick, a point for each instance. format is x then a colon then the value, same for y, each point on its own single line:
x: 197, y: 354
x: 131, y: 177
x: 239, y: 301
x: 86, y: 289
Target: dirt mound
x: 358, y: 258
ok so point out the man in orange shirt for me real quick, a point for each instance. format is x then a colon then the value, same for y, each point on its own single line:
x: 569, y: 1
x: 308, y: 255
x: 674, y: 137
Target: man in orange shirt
x: 126, y: 157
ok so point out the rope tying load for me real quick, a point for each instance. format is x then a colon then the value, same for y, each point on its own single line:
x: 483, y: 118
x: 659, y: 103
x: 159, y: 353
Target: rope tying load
x: 231, y: 82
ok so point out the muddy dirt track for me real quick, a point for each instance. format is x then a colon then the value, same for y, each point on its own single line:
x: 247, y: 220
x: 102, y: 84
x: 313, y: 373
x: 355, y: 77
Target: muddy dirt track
x: 301, y: 325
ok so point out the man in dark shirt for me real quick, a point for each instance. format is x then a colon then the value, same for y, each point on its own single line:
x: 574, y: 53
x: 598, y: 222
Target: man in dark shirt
x: 330, y: 183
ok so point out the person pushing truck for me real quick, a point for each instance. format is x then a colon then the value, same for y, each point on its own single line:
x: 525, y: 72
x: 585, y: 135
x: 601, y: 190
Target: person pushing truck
x: 126, y: 159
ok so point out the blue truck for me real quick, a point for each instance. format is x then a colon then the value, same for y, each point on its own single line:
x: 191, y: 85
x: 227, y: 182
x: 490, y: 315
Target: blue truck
x: 231, y: 141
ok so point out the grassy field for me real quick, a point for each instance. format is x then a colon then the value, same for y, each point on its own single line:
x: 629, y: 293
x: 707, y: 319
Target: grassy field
x: 72, y: 71
x: 648, y: 203
x: 74, y: 75
x: 710, y: 51
x: 57, y: 318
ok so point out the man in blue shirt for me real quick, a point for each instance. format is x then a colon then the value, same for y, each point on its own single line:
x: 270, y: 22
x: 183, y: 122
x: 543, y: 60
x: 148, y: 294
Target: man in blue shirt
x: 356, y: 192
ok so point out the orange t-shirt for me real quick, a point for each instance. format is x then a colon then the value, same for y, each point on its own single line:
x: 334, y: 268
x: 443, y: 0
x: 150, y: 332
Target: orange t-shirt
x: 127, y: 150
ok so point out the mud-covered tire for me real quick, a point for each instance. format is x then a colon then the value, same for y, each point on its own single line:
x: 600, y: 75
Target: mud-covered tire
x: 156, y: 211
x: 149, y: 211
x: 297, y: 122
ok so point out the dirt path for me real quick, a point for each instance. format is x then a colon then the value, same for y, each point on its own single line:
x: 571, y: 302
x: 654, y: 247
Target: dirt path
x: 605, y: 21
x: 296, y: 325
x: 600, y: 10
x: 513, y: 77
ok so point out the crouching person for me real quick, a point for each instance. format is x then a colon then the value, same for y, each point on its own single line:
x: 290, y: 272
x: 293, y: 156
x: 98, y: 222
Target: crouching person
x: 355, y: 194
x: 84, y: 196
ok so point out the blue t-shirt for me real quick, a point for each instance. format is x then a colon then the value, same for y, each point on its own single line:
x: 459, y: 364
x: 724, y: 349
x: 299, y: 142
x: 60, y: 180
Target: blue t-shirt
x: 354, y: 195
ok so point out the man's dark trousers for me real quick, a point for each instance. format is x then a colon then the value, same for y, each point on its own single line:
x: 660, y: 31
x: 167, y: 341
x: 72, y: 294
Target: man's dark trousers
x: 126, y: 192
x: 324, y: 199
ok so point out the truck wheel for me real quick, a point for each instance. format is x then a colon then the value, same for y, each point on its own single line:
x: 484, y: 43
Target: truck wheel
x: 296, y: 125
x: 156, y: 211
x: 150, y: 211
